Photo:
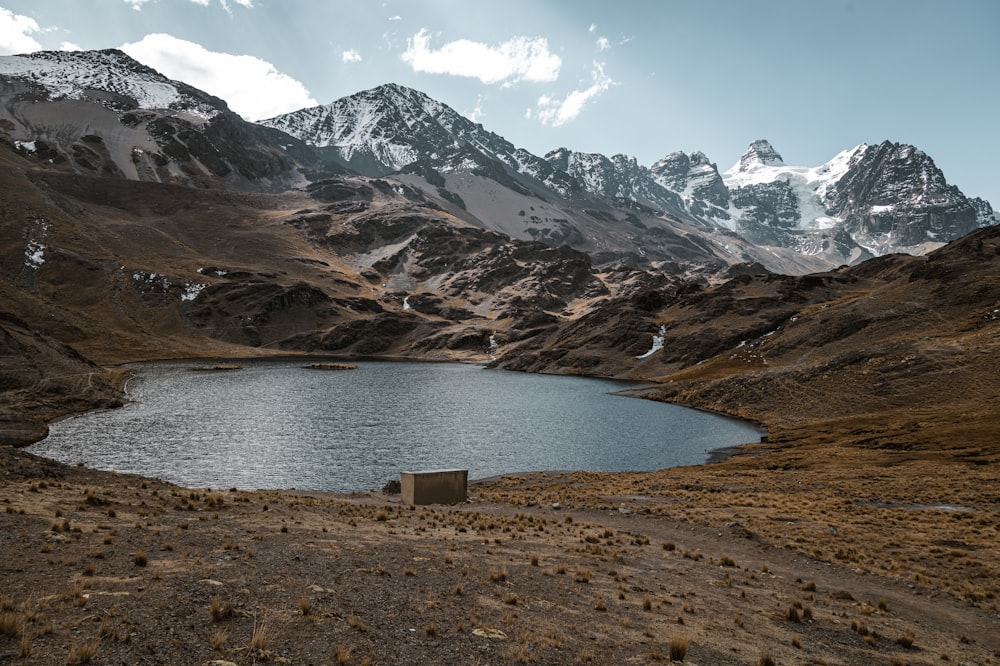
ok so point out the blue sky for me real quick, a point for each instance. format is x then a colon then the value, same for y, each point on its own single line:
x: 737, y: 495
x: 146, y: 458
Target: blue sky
x: 642, y: 77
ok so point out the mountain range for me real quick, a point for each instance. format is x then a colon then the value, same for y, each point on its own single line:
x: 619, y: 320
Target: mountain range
x: 866, y: 201
x: 680, y: 212
x: 142, y: 219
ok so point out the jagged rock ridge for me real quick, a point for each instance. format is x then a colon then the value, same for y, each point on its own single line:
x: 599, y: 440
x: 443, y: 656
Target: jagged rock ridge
x: 905, y: 203
x: 866, y: 201
x: 107, y: 114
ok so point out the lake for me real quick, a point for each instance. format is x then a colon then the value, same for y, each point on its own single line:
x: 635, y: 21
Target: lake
x: 276, y: 424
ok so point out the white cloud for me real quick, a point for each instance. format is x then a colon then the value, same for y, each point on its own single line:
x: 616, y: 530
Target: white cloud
x: 70, y: 46
x: 477, y: 114
x: 350, y: 56
x: 603, y: 44
x: 397, y: 17
x: 15, y: 33
x: 137, y: 4
x: 252, y: 87
x: 553, y: 112
x: 517, y: 59
x: 593, y: 28
x: 225, y: 3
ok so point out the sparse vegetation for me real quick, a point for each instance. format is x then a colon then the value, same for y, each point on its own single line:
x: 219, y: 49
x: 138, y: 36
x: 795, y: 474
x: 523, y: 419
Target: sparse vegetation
x: 341, y: 654
x: 82, y: 653
x: 678, y: 648
x: 335, y: 567
x: 220, y: 609
x: 218, y: 639
x: 260, y: 638
x: 305, y: 606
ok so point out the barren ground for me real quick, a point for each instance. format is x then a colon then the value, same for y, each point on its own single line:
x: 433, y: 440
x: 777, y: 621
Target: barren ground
x: 850, y: 558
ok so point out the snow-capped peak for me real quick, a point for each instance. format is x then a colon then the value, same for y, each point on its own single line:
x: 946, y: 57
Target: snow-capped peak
x: 811, y: 186
x: 385, y: 123
x: 760, y: 153
x: 79, y: 74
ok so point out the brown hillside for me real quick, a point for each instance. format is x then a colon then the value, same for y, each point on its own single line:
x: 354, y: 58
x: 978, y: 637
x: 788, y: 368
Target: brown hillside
x: 863, y: 530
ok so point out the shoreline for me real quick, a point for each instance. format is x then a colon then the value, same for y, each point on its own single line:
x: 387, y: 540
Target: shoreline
x: 567, y: 566
x: 213, y: 362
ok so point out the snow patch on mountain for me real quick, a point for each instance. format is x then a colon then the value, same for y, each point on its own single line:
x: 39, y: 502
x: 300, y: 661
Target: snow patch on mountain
x: 86, y: 74
x: 34, y: 254
x: 34, y: 248
x: 811, y: 186
x: 657, y: 344
x: 392, y: 124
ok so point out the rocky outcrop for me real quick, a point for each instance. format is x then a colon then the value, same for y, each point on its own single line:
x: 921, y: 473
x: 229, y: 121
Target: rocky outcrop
x: 42, y: 378
x: 257, y: 313
x: 760, y: 153
x: 109, y: 115
x: 619, y: 178
x: 698, y: 182
x: 883, y: 330
x: 894, y: 196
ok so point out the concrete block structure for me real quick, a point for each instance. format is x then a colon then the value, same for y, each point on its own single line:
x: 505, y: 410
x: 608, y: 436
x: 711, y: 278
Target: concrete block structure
x: 437, y: 486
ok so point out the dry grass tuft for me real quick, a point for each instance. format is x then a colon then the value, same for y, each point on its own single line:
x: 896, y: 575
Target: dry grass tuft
x: 678, y: 648
x: 305, y: 606
x: 218, y: 639
x: 261, y: 636
x: 10, y: 624
x: 341, y: 654
x: 82, y: 654
x: 220, y: 609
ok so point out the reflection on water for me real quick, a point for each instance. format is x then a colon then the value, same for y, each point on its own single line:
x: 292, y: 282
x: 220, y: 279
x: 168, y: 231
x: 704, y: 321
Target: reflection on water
x: 276, y: 424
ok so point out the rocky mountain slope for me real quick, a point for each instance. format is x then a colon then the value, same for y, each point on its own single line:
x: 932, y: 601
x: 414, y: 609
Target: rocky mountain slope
x: 127, y: 242
x: 102, y: 113
x: 106, y: 114
x: 879, y: 337
x: 866, y: 201
x: 887, y: 198
x: 878, y: 383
